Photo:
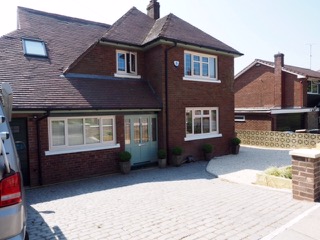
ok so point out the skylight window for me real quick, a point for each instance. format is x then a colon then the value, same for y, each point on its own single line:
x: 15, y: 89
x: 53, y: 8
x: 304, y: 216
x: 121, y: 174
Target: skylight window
x: 34, y: 48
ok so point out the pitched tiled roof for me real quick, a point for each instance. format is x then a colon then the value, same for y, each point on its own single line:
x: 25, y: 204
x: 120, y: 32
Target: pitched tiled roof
x: 308, y: 73
x: 301, y: 72
x: 37, y: 82
x: 137, y: 28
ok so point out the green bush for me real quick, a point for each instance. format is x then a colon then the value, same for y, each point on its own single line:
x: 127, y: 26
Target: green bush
x: 235, y: 141
x: 177, y: 151
x: 285, y: 172
x: 162, y: 154
x: 124, y: 156
x: 207, y: 148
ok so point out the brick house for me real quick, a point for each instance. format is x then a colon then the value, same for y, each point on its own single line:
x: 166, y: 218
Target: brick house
x: 84, y: 91
x: 272, y: 96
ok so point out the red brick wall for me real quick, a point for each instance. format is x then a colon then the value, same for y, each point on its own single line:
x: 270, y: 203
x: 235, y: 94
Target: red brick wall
x: 255, y: 88
x: 66, y: 167
x: 101, y: 60
x: 261, y: 122
x: 184, y: 94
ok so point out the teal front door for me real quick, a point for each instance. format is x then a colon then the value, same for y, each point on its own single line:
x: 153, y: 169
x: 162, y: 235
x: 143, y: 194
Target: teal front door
x: 141, y: 138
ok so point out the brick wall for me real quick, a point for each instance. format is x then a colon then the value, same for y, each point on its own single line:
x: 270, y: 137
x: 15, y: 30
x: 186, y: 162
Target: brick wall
x: 101, y: 60
x: 261, y: 122
x: 306, y: 174
x: 184, y: 94
x: 66, y: 167
x: 255, y: 88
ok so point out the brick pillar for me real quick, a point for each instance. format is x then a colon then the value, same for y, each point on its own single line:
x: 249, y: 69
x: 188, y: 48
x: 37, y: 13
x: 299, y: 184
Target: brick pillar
x: 306, y: 174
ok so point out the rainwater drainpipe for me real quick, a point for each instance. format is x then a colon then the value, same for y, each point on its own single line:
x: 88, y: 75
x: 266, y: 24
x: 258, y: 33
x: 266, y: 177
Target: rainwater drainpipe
x: 39, y: 145
x: 166, y: 87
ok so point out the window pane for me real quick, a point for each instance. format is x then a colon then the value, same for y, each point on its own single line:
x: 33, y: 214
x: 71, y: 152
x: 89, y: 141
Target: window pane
x: 127, y: 131
x: 34, y: 48
x: 212, y: 67
x: 189, y: 121
x: 58, y: 133
x: 213, y: 120
x: 187, y: 65
x: 205, y: 69
x: 196, y: 58
x: 136, y: 126
x: 196, y: 68
x: 75, y: 132
x: 107, y: 128
x: 197, y: 112
x: 133, y: 63
x: 121, y: 62
x: 206, y: 125
x: 197, y: 126
x: 92, y: 128
x: 205, y: 112
x: 145, y: 132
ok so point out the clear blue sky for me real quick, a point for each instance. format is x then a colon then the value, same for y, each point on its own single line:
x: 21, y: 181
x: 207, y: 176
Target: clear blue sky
x: 257, y: 28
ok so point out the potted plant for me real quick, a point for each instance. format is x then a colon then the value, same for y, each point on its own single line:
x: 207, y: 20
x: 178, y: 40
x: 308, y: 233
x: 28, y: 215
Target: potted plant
x: 162, y: 158
x: 125, y: 164
x: 235, y: 145
x: 207, y: 150
x: 177, y: 156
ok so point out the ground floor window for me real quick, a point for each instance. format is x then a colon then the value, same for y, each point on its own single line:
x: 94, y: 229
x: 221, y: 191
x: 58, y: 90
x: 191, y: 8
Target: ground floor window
x: 81, y: 131
x: 202, y: 122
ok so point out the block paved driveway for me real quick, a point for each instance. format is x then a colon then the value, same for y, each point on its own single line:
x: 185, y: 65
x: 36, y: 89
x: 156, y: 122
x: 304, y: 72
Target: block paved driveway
x: 172, y: 203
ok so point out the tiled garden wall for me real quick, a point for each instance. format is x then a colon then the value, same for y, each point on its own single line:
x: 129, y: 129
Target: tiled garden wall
x: 278, y: 139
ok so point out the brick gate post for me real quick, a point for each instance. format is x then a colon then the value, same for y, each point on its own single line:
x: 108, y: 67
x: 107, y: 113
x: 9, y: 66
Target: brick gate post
x: 306, y: 174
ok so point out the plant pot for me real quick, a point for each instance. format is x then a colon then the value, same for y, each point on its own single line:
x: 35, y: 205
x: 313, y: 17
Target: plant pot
x: 162, y: 162
x: 235, y: 149
x: 177, y: 160
x: 125, y: 167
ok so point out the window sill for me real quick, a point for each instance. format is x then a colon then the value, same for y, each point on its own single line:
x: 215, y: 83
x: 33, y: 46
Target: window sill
x: 80, y: 149
x: 202, y: 136
x: 122, y: 75
x: 198, y: 79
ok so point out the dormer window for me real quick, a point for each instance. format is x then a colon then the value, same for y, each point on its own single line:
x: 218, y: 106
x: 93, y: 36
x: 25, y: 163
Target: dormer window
x: 127, y: 64
x: 33, y: 47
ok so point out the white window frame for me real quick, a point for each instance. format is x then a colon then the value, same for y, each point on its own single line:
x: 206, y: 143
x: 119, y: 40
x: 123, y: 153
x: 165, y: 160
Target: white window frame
x: 313, y: 86
x: 63, y: 149
x: 201, y: 78
x: 211, y: 133
x: 127, y: 73
x: 239, y: 118
x: 28, y: 52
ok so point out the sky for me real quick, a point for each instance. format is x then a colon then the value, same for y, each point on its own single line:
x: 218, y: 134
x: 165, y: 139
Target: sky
x: 257, y: 28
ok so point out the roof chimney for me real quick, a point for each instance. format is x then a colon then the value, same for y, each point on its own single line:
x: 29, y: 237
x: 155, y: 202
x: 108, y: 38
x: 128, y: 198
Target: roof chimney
x: 279, y: 81
x: 153, y: 9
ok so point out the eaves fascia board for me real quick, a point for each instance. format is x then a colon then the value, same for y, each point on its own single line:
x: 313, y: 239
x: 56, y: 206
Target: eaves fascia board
x: 169, y: 41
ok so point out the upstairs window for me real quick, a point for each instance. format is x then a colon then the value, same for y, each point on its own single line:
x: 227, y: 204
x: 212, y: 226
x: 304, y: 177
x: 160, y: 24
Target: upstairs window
x: 313, y: 87
x: 34, y: 48
x: 126, y: 64
x: 200, y: 67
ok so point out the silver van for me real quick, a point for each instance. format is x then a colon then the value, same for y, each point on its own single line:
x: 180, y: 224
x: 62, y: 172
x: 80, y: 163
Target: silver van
x: 12, y: 197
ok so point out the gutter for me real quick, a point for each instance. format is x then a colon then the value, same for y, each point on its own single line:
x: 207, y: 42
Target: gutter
x: 167, y: 88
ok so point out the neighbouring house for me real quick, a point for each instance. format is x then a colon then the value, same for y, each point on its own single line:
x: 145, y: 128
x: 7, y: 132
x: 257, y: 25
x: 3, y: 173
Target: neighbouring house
x: 272, y: 96
x: 84, y: 91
